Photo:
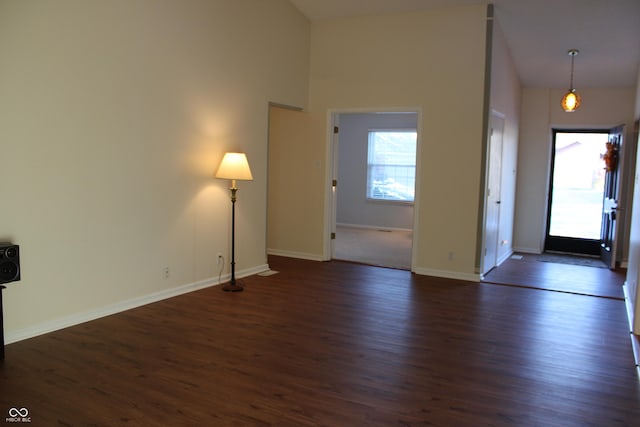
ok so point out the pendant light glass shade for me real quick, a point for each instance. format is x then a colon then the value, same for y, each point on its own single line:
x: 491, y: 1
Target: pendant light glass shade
x: 570, y: 101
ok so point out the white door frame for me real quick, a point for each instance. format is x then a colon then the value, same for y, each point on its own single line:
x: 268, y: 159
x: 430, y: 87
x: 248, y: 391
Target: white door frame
x: 332, y: 170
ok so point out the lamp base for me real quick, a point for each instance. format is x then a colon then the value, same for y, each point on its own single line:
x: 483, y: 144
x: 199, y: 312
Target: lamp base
x: 232, y: 287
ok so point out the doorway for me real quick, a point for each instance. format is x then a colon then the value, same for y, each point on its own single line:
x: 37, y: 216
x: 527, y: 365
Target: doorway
x: 576, y: 192
x: 375, y: 176
x: 494, y: 192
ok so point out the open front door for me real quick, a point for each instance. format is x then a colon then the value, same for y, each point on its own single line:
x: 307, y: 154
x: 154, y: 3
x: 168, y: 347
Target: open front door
x: 576, y: 191
x: 613, y: 165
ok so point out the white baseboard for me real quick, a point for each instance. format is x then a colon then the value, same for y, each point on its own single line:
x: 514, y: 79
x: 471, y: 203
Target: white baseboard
x: 628, y: 305
x: 293, y: 254
x: 78, y: 318
x: 535, y: 251
x: 635, y: 339
x: 504, y: 257
x: 372, y: 227
x: 468, y: 277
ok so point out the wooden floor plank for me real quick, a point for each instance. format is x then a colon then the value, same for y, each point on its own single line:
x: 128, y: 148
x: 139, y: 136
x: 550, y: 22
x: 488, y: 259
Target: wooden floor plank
x: 336, y: 344
x: 530, y: 271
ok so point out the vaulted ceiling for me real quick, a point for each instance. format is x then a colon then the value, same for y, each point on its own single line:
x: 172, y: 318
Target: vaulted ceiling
x: 539, y: 34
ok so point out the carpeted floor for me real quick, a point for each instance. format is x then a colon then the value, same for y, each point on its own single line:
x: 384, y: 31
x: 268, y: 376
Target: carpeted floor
x: 385, y: 248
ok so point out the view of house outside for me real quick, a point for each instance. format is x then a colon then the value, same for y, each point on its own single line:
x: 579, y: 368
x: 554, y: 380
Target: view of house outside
x: 578, y: 185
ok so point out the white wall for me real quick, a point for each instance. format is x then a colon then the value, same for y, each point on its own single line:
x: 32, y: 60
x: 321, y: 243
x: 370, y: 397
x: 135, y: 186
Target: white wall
x: 601, y: 108
x: 633, y: 269
x: 433, y: 62
x: 353, y: 206
x: 505, y: 99
x: 113, y: 118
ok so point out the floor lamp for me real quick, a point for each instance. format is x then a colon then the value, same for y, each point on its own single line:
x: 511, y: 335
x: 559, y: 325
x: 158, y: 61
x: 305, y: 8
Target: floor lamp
x: 234, y: 166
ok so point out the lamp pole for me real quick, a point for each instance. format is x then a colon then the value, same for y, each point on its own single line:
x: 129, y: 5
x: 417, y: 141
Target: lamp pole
x: 232, y: 286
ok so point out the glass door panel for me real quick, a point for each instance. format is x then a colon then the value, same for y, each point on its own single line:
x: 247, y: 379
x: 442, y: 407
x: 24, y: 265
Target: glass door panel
x: 577, y: 185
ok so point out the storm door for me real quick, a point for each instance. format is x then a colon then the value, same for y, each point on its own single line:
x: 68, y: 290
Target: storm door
x: 609, y: 231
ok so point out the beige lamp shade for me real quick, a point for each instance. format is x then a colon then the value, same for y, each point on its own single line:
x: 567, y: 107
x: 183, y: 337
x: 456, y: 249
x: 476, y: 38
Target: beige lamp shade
x: 234, y: 166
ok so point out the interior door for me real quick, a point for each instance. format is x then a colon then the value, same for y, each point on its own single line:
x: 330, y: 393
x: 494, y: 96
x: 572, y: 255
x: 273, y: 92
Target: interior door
x: 494, y: 179
x: 613, y: 166
x: 296, y: 184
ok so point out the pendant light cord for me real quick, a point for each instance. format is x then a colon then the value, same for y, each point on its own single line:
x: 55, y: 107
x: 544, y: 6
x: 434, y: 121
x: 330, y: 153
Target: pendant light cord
x: 572, y: 54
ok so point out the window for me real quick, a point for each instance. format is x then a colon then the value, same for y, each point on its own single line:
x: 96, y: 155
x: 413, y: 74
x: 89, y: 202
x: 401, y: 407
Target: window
x: 391, y: 173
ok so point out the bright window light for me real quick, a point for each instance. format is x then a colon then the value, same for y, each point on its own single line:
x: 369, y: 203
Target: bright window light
x: 578, y: 185
x: 391, y: 173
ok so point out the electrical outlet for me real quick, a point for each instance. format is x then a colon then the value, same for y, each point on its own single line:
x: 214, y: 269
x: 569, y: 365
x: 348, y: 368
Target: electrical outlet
x: 165, y: 272
x: 220, y: 258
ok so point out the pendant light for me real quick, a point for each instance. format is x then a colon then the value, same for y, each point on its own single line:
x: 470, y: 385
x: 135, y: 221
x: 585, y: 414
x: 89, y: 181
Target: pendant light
x: 571, y: 100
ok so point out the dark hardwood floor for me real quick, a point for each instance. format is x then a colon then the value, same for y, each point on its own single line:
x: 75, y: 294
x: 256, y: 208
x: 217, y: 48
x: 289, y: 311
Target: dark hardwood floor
x: 336, y: 344
x: 530, y: 271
